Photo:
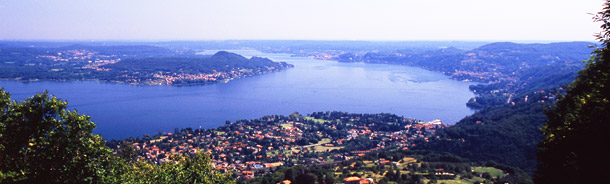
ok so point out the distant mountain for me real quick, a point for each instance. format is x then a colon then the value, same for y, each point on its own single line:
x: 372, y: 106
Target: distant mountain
x: 494, y: 60
x: 511, y: 55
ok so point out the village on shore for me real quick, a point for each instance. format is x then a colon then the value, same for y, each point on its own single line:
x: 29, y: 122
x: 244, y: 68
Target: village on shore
x: 255, y: 147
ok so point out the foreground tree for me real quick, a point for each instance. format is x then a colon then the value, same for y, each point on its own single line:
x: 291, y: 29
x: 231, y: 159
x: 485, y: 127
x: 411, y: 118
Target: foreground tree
x: 42, y: 142
x: 195, y: 168
x: 575, y: 147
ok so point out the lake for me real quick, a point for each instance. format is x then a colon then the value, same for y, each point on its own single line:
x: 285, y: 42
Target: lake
x: 122, y: 110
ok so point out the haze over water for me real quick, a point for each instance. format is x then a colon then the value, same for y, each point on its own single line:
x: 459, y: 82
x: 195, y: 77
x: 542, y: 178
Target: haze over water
x: 121, y: 110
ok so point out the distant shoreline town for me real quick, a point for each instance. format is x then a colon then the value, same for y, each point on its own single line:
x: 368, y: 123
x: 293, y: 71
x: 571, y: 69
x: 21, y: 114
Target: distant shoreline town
x: 138, y: 65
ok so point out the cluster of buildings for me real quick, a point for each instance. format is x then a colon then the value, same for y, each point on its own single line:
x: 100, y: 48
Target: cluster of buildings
x: 71, y: 55
x: 93, y: 59
x: 259, y: 146
x: 211, y: 77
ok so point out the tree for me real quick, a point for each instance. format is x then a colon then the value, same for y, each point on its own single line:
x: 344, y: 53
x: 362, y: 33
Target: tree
x: 289, y: 174
x: 305, y: 179
x: 575, y: 144
x: 330, y: 178
x: 127, y: 152
x: 196, y: 168
x: 42, y: 142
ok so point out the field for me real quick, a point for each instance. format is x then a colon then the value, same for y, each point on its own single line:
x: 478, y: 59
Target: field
x: 492, y: 171
x: 317, y: 120
x: 319, y: 146
x: 408, y: 160
x: 286, y: 125
x: 454, y: 181
x: 324, y: 148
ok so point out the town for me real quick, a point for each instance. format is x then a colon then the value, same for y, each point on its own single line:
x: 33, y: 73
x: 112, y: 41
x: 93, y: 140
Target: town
x: 254, y: 147
x: 132, y: 64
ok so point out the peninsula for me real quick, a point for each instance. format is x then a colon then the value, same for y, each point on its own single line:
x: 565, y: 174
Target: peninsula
x: 140, y: 65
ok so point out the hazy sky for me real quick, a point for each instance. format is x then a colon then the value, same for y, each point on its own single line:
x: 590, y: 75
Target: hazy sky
x: 299, y: 19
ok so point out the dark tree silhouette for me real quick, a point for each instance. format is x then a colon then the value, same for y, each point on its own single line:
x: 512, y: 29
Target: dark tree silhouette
x: 575, y: 148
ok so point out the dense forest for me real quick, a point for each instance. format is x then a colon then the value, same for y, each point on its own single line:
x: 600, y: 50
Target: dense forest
x: 507, y: 134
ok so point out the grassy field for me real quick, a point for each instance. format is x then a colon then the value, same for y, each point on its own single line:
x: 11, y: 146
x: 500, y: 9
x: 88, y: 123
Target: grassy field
x: 317, y: 120
x: 408, y: 160
x: 324, y: 149
x: 275, y: 153
x: 477, y: 179
x: 321, y: 148
x: 286, y: 125
x: 455, y: 181
x: 368, y: 163
x: 492, y: 171
x: 324, y: 141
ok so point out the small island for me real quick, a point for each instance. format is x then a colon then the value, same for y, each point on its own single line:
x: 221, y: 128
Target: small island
x: 140, y: 65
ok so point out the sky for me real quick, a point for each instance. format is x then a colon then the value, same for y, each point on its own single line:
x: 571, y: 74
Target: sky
x: 385, y: 20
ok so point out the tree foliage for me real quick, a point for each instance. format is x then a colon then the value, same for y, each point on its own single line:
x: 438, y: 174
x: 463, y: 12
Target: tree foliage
x: 504, y: 134
x: 43, y: 142
x: 180, y: 169
x: 575, y: 142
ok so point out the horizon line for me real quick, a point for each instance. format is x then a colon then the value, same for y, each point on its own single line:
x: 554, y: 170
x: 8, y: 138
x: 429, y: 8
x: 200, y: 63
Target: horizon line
x: 304, y: 40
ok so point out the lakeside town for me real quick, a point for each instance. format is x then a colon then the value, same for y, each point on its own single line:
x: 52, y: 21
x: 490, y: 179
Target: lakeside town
x: 132, y: 64
x: 252, y: 148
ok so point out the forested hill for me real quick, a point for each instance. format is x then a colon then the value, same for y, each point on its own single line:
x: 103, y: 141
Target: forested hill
x: 222, y: 66
x: 505, y: 134
x: 506, y: 129
x: 506, y: 69
x: 219, y: 62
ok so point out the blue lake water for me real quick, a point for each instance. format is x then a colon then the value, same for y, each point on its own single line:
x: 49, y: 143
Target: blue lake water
x: 122, y: 110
